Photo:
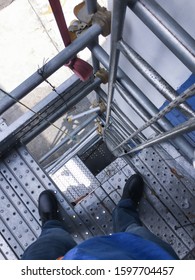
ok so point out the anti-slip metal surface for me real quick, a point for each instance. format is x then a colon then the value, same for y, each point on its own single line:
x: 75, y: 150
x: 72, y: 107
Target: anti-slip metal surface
x: 167, y: 208
x: 21, y: 182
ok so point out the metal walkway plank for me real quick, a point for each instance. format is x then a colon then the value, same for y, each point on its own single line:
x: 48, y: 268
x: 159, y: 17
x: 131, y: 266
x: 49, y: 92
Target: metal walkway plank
x: 22, y: 180
x: 10, y: 241
x: 6, y: 252
x: 162, y: 192
x: 156, y: 225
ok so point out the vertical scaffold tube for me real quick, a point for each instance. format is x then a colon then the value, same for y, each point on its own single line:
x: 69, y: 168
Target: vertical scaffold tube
x: 118, y: 17
x: 91, y: 6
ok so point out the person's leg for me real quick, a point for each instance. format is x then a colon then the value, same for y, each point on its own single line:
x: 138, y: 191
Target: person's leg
x: 54, y: 240
x: 125, y: 212
x: 147, y: 234
x: 126, y: 217
x: 53, y: 243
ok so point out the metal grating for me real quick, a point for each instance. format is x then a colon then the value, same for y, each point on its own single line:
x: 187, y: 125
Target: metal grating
x: 93, y: 157
x: 75, y: 180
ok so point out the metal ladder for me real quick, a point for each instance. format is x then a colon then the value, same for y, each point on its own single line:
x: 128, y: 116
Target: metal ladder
x: 168, y: 204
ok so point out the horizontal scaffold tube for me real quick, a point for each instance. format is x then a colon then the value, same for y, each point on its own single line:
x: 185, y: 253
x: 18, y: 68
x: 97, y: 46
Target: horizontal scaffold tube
x: 50, y: 67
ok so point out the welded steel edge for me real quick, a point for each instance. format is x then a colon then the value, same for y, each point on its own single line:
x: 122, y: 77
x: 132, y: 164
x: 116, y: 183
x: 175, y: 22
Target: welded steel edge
x: 152, y: 76
x: 50, y: 67
x: 68, y: 137
x: 73, y: 151
x: 166, y: 29
x: 179, y: 129
x: 179, y: 99
x: 117, y: 23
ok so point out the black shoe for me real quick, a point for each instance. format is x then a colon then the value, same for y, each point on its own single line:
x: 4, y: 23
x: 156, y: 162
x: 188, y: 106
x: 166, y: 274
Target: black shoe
x: 48, y: 206
x: 133, y: 188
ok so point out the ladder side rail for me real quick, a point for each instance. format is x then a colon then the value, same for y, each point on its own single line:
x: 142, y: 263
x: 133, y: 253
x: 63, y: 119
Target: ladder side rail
x: 179, y: 129
x: 153, y: 76
x: 185, y: 148
x: 166, y: 29
x: 118, y: 18
x: 163, y: 112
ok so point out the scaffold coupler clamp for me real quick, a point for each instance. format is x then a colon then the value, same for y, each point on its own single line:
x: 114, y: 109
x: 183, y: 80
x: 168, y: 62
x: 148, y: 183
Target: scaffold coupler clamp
x: 85, y: 20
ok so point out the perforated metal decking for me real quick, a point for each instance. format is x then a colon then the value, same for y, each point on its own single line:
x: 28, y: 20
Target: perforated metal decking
x: 167, y: 208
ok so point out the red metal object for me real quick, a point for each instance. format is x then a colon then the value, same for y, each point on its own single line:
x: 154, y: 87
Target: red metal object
x: 80, y: 67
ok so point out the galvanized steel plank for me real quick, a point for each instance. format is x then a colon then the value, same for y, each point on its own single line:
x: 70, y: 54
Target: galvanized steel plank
x: 170, y: 183
x: 6, y: 252
x: 156, y: 225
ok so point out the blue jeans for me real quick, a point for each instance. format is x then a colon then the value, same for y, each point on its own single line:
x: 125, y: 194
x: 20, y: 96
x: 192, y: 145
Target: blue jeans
x: 55, y: 241
x: 126, y: 219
